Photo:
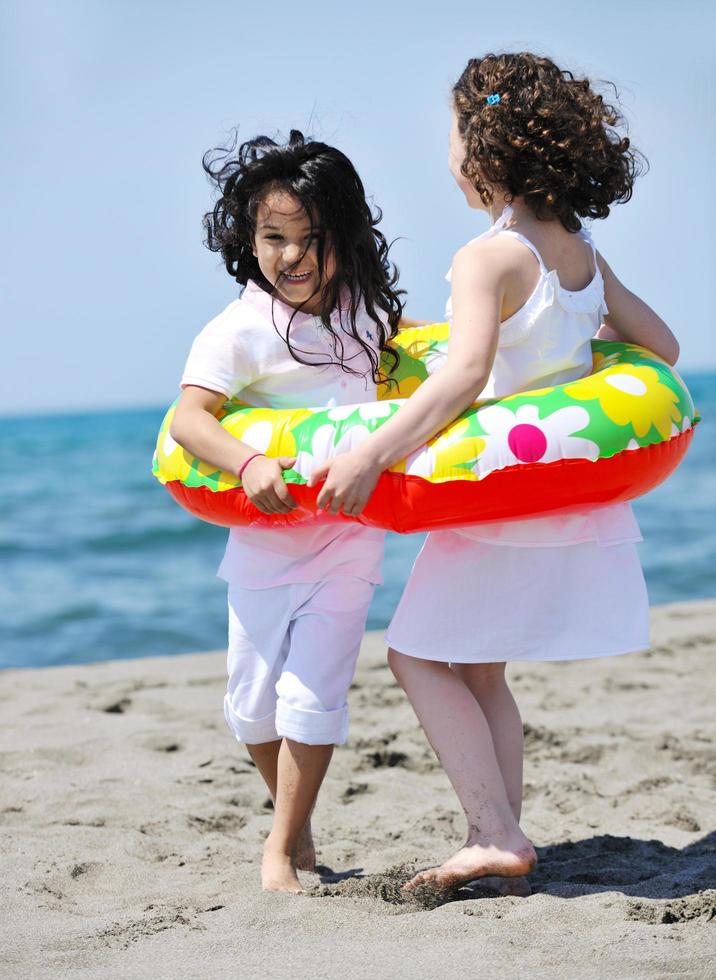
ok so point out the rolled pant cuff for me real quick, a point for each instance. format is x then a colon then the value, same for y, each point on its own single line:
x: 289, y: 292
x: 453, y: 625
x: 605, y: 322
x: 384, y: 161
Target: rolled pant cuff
x: 312, y: 727
x: 252, y: 732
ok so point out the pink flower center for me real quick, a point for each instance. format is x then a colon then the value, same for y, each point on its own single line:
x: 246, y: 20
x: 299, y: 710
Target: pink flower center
x: 527, y: 442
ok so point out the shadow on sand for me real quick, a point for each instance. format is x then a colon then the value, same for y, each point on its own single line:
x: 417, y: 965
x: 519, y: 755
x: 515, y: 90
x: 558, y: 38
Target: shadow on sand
x: 640, y: 869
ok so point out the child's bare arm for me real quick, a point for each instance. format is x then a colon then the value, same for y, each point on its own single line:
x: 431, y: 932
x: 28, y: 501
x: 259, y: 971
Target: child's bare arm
x: 478, y: 285
x: 196, y: 428
x: 480, y: 271
x: 632, y: 320
x: 606, y: 333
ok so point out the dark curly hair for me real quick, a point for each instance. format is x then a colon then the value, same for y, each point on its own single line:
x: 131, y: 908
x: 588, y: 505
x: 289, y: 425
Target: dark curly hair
x: 550, y: 138
x: 326, y: 184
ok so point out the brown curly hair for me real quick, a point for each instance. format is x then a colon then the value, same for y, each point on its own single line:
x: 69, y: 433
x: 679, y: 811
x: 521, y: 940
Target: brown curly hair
x: 550, y: 138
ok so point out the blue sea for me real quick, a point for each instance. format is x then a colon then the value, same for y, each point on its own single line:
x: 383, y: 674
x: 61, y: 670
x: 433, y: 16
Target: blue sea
x: 99, y: 563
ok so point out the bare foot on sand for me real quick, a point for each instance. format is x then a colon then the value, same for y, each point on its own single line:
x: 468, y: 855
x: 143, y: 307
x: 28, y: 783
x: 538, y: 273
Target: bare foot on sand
x: 305, y: 852
x: 278, y: 873
x: 478, y: 861
x: 507, y: 886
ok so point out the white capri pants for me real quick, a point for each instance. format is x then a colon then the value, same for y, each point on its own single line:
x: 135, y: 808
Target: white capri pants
x: 291, y: 658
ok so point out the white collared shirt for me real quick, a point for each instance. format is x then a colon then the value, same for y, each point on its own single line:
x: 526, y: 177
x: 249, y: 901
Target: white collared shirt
x: 242, y: 353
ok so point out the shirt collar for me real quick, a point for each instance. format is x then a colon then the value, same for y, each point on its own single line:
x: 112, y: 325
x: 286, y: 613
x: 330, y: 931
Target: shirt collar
x: 281, y: 313
x: 272, y: 307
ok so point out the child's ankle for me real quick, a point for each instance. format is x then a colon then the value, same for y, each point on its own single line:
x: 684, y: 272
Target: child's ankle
x: 278, y: 845
x: 502, y: 836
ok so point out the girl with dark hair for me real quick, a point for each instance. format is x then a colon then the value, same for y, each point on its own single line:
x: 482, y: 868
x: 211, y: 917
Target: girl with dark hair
x: 318, y: 306
x: 539, y: 150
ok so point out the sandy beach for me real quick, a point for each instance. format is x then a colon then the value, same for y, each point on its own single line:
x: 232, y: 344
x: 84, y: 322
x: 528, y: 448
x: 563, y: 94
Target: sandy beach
x: 132, y: 827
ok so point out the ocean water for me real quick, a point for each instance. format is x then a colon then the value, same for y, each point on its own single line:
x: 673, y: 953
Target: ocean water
x: 98, y: 562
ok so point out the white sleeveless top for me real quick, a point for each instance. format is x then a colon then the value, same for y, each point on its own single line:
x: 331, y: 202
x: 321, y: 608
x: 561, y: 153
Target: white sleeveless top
x: 548, y: 342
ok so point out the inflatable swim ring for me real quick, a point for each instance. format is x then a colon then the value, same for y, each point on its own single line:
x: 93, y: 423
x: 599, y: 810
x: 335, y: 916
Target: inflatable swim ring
x: 610, y: 436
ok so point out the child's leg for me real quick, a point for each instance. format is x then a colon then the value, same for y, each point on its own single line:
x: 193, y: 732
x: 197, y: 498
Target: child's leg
x: 300, y: 772
x: 259, y: 640
x: 459, y: 733
x: 488, y: 686
x: 265, y: 756
x: 311, y: 712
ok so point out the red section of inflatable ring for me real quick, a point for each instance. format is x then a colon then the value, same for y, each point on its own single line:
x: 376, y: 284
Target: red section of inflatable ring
x: 410, y: 503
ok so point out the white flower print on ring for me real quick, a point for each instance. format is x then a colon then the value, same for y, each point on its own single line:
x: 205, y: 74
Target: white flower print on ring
x: 325, y: 447
x: 523, y: 437
x: 368, y: 411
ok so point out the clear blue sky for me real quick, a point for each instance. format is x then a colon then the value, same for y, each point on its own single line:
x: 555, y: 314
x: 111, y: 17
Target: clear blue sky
x: 108, y: 106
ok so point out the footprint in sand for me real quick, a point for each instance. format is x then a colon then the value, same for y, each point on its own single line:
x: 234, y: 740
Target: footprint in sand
x: 246, y: 800
x: 587, y: 754
x: 162, y: 743
x: 702, y: 905
x: 373, y: 743
x: 537, y: 738
x: 683, y: 820
x: 154, y: 920
x: 88, y: 871
x: 219, y: 823
x: 353, y: 790
x: 611, y: 685
x: 117, y: 707
x: 386, y: 759
x: 651, y: 782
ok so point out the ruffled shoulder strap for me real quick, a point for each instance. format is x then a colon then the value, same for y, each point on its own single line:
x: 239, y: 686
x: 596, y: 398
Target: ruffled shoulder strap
x: 495, y: 228
x: 586, y: 235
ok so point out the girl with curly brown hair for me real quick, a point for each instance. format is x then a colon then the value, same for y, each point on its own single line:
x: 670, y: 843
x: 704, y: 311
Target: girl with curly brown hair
x: 539, y: 150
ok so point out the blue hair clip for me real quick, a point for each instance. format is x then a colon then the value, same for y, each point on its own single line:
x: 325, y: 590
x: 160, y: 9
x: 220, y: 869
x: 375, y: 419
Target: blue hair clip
x: 493, y: 99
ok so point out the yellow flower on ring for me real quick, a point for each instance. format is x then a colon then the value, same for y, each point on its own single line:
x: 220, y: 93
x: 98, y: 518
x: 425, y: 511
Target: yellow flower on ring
x: 404, y: 388
x: 630, y: 394
x: 440, y: 459
x: 258, y: 428
x: 601, y: 361
x: 416, y: 339
x: 452, y: 449
x: 172, y: 459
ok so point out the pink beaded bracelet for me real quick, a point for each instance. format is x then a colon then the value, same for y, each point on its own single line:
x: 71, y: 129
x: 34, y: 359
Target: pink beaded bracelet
x: 246, y: 463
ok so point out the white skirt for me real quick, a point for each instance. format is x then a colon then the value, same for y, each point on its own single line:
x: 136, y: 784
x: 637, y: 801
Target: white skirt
x: 471, y: 602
